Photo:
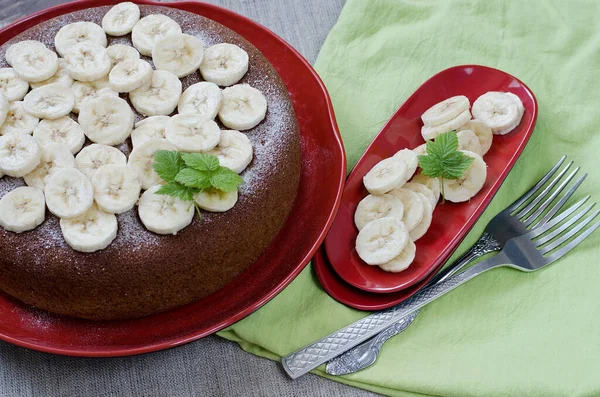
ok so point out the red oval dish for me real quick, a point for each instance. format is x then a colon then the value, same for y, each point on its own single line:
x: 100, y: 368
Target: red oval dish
x: 319, y: 195
x: 451, y: 221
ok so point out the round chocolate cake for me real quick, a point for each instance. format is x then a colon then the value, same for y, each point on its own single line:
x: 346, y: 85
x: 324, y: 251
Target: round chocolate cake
x: 140, y: 272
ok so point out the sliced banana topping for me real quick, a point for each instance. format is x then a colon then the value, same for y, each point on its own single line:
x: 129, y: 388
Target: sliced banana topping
x: 92, y: 231
x: 121, y: 52
x: 121, y: 19
x: 467, y: 186
x: 402, y: 261
x: 409, y: 161
x: 467, y: 140
x: 116, y: 188
x: 54, y: 158
x: 179, y: 53
x: 429, y: 133
x: 84, y: 91
x: 94, y: 156
x: 63, y: 131
x: 78, y: 32
x: 432, y: 183
x: 149, y: 128
x: 422, y: 189
x: 445, y: 111
x: 216, y: 200
x: 163, y: 214
x: 106, y: 120
x: 413, y: 207
x: 159, y: 96
x: 391, y: 173
x: 24, y: 45
x: 224, y: 64
x: 49, y: 101
x: 500, y: 111
x: 61, y: 76
x: 87, y: 61
x: 483, y: 133
x: 421, y: 149
x: 375, y: 207
x: 381, y: 240
x: 3, y: 108
x: 32, y: 61
x: 243, y: 107
x: 141, y: 160
x: 192, y: 133
x: 202, y: 98
x: 129, y: 75
x: 19, y: 154
x: 18, y: 120
x: 22, y: 209
x: 11, y: 85
x: 69, y: 193
x: 421, y: 228
x: 234, y: 150
x: 148, y: 30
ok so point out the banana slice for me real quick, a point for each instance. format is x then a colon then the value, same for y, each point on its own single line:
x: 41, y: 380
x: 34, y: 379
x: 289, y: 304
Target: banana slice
x: 69, y: 193
x: 33, y: 62
x: 409, y: 161
x: 192, y: 133
x: 413, y: 207
x: 498, y: 110
x: 179, y: 53
x: 243, y: 107
x: 129, y: 75
x: 11, y: 85
x: 375, y: 207
x: 467, y: 140
x: 87, y: 61
x: 381, y: 240
x: 483, y: 133
x: 445, y: 111
x: 429, y: 133
x: 422, y: 227
x: 61, y: 77
x: 149, y: 128
x: 76, y: 33
x: 116, y: 188
x: 90, y: 90
x: 163, y: 214
x: 421, y: 149
x: 216, y: 200
x: 121, y: 52
x: 54, y: 158
x: 402, y: 261
x: 22, y: 209
x: 18, y: 120
x: 121, y: 19
x: 234, y: 150
x: 63, y: 131
x: 49, y: 101
x: 432, y: 183
x: 19, y: 154
x: 3, y: 108
x: 202, y: 98
x: 224, y: 64
x: 94, y: 156
x: 106, y: 120
x: 462, y: 189
x: 92, y: 231
x: 384, y: 176
x: 159, y: 96
x: 141, y: 160
x: 148, y: 30
x: 25, y: 45
x: 517, y: 101
x: 422, y: 189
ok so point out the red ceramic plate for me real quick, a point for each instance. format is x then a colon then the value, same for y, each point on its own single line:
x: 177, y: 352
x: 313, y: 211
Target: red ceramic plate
x: 319, y: 196
x: 451, y: 221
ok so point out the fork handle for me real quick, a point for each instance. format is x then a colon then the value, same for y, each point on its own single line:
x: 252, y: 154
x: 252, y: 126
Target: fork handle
x: 309, y: 357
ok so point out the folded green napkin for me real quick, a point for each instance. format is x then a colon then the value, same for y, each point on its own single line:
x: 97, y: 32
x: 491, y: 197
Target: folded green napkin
x: 505, y: 333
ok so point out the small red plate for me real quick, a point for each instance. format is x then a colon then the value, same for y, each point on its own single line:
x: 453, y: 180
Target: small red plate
x: 451, y: 221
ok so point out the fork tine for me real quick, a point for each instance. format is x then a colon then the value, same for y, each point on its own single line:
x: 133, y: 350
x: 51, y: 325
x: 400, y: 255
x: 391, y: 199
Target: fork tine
x: 544, y: 204
x: 537, y: 186
x: 564, y: 250
x: 550, y: 236
x: 544, y: 193
x: 562, y: 201
x: 573, y: 231
x: 542, y: 229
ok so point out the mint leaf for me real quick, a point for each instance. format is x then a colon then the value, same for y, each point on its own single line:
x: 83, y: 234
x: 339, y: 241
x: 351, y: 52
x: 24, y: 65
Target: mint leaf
x: 201, y: 162
x: 226, y: 180
x: 167, y: 164
x: 430, y: 166
x: 456, y: 164
x: 193, y: 178
x: 175, y: 189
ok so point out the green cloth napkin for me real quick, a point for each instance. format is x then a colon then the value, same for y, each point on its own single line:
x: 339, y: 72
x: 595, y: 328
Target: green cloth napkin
x: 505, y: 333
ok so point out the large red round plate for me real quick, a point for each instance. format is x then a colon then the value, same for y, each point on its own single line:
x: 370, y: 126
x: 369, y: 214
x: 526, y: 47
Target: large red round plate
x: 322, y: 180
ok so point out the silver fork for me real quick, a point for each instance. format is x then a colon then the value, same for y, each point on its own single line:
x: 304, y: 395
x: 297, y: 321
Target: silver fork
x: 530, y: 252
x: 513, y: 221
